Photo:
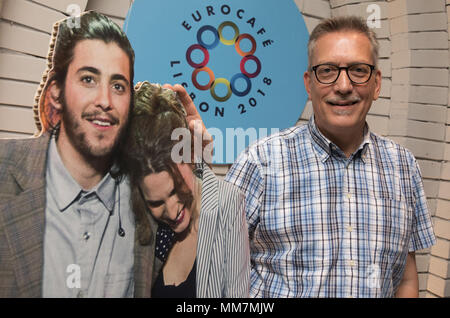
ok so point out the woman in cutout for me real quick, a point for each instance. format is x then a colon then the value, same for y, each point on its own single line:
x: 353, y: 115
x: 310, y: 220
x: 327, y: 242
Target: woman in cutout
x: 202, y: 237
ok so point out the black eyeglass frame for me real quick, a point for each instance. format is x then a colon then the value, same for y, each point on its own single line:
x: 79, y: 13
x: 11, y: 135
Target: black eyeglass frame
x: 340, y: 68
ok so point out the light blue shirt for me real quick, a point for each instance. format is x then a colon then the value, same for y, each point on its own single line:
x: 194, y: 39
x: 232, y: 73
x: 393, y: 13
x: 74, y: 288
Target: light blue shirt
x: 324, y: 225
x: 84, y: 256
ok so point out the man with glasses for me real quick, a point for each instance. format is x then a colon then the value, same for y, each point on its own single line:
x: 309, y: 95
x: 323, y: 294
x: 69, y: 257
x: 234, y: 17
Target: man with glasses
x: 334, y: 210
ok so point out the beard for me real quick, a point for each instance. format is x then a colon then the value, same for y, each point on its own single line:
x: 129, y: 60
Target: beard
x: 92, y: 146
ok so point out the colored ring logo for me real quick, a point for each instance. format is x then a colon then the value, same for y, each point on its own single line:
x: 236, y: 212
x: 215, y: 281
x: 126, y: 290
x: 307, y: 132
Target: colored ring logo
x: 205, y: 56
x: 258, y: 66
x: 213, y: 87
x: 200, y: 40
x: 236, y: 33
x: 201, y: 66
x: 194, y: 78
x: 247, y: 81
x: 238, y: 42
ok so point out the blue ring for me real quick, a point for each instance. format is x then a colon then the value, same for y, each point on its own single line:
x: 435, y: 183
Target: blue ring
x: 247, y: 80
x: 200, y: 33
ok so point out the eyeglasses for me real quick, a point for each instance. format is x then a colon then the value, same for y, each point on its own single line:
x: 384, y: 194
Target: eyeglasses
x: 359, y: 73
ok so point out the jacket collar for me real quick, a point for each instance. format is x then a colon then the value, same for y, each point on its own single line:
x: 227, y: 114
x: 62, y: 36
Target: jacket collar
x: 29, y: 171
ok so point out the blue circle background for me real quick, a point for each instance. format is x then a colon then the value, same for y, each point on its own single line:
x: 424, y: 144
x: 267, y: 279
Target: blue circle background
x: 156, y: 33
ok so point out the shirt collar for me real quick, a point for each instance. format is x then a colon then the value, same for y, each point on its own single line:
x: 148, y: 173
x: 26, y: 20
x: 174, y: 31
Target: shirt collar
x: 66, y: 190
x: 324, y: 147
x: 365, y: 143
x: 106, y: 191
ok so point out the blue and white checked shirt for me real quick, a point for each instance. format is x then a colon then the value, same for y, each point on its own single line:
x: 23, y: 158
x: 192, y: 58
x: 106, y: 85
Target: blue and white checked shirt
x: 323, y: 225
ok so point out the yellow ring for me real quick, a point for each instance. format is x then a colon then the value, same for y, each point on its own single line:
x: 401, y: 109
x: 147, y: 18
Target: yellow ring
x: 236, y: 32
x: 221, y: 81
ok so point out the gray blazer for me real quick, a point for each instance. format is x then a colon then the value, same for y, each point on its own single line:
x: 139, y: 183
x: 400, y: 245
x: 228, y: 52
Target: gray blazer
x: 223, y: 258
x: 22, y: 221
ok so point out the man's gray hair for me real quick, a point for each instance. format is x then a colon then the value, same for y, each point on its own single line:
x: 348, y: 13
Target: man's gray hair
x: 344, y: 23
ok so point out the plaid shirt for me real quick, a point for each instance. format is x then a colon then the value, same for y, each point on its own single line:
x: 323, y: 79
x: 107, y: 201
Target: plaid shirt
x: 323, y: 225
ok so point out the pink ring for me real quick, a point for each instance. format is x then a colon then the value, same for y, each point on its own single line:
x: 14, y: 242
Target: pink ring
x: 205, y: 53
x: 258, y: 66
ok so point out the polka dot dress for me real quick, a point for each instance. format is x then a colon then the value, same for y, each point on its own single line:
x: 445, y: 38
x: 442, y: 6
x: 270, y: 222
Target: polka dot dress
x: 164, y: 241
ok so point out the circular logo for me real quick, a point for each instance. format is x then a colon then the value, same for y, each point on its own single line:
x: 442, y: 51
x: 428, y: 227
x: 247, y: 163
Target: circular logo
x: 202, y: 66
x: 242, y: 63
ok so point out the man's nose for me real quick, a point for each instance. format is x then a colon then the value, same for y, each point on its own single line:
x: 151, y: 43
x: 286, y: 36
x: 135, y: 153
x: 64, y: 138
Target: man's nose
x: 343, y: 85
x: 103, y: 98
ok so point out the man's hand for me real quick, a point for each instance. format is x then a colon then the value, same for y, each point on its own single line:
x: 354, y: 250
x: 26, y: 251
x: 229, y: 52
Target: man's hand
x: 194, y: 120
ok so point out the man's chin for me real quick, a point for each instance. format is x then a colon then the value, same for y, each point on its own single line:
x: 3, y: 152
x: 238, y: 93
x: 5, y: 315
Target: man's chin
x: 100, y: 150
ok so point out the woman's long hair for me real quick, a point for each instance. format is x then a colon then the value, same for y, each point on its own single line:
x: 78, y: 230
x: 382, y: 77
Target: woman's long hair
x: 148, y: 147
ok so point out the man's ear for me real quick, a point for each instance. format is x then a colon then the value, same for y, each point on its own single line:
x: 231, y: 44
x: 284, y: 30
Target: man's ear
x: 377, y: 84
x: 307, y: 82
x: 52, y: 96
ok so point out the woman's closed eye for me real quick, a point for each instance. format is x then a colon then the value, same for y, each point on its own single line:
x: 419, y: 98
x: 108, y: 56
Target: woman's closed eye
x: 155, y: 204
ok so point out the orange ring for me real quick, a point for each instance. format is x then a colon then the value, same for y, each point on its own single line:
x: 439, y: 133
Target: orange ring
x: 194, y: 78
x: 238, y: 41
